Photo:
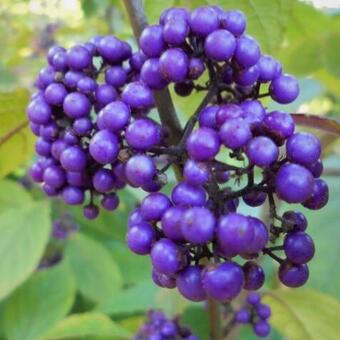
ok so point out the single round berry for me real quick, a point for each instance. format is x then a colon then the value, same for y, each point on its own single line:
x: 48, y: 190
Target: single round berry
x: 91, y: 211
x: 175, y: 31
x: 203, y: 20
x: 138, y: 96
x: 151, y: 41
x: 198, y: 225
x: 150, y: 74
x: 234, y: 21
x: 316, y: 169
x: 174, y: 65
x: 248, y: 76
x: 103, y: 180
x: 223, y: 282
x: 319, y: 197
x: 253, y: 276
x: 269, y: 68
x: 163, y: 280
x: 110, y: 202
x: 142, y: 134
x: 78, y: 58
x: 105, y: 94
x: 255, y: 199
x: 253, y: 299
x: 55, y: 93
x: 262, y: 151
x: 203, y: 144
x: 104, y: 147
x: 140, y: 238
x: 279, y: 125
x: 295, y: 220
x: 172, y: 221
x: 235, y: 133
x: 234, y: 232
x: 247, y: 51
x: 243, y: 316
x: 154, y: 206
x: 261, y: 236
x: 253, y: 112
x: 54, y: 176
x: 189, y: 283
x: 39, y: 112
x: 196, y: 173
x: 112, y: 49
x: 262, y: 328
x: 207, y: 117
x: 186, y: 194
x: 284, y: 89
x: 166, y: 257
x: 73, y: 159
x: 294, y: 183
x: 303, y: 148
x: 196, y: 68
x: 263, y: 311
x: 76, y: 105
x: 220, y: 45
x: 293, y: 275
x: 228, y: 111
x: 73, y: 196
x: 115, y: 76
x: 114, y: 116
x: 299, y: 247
x: 140, y: 169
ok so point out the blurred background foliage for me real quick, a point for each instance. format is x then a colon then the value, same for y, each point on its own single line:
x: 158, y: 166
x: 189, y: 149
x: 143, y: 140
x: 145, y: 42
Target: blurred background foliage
x: 99, y: 290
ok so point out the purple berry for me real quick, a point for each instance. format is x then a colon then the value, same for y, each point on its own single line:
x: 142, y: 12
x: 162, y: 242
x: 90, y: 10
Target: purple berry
x: 243, y: 316
x: 150, y: 74
x: 299, y: 247
x: 186, y: 194
x: 319, y: 197
x: 54, y: 176
x: 140, y: 169
x: 253, y: 299
x: 279, y: 124
x: 292, y: 275
x: 174, y: 65
x: 104, y: 147
x: 220, y: 45
x: 154, y: 206
x: 263, y: 311
x: 140, y: 238
x: 114, y: 116
x: 151, y: 41
x: 103, y: 180
x: 235, y: 133
x: 76, y: 105
x: 91, y: 212
x: 175, y: 31
x: 262, y: 151
x: 110, y: 202
x: 171, y: 223
x: 55, y: 93
x: 115, y: 76
x: 196, y: 173
x: 78, y: 58
x: 247, y: 51
x: 203, y: 20
x: 73, y: 196
x: 138, y: 96
x: 284, y: 89
x: 253, y: 276
x: 261, y: 328
x: 234, y: 21
x: 255, y: 199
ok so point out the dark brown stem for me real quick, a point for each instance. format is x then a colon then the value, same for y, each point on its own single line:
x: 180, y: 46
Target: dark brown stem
x: 272, y: 255
x: 228, y: 195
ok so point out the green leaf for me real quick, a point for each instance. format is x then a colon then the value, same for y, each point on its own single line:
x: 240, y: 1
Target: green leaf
x: 136, y: 299
x: 331, y: 52
x: 78, y: 326
x: 304, y: 314
x: 97, y: 275
x: 263, y: 20
x: 40, y: 303
x: 16, y: 141
x: 24, y: 234
x: 154, y: 8
x: 171, y: 301
x: 134, y: 268
x: 196, y: 318
x: 13, y: 195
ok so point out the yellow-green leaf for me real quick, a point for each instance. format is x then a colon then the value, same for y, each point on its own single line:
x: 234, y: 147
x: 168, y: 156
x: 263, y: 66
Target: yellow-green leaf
x: 16, y: 140
x: 78, y: 326
x: 304, y: 314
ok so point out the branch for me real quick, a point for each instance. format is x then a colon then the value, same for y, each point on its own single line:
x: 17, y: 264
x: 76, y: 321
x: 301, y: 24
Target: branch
x: 11, y: 133
x: 165, y: 106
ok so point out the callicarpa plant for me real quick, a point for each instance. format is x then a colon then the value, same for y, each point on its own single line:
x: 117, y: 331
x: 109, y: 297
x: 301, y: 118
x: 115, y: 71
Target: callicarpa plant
x: 95, y: 136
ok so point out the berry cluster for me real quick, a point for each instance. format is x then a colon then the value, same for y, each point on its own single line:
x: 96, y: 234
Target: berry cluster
x: 158, y: 327
x: 200, y: 222
x: 62, y: 228
x: 90, y: 116
x: 256, y: 314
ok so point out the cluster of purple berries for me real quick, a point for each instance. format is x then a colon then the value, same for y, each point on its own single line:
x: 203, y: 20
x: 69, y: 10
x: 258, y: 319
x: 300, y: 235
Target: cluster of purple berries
x: 200, y: 220
x: 159, y: 327
x: 256, y: 314
x: 90, y: 116
x: 62, y: 228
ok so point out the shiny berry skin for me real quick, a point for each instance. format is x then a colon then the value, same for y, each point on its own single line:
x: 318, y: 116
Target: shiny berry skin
x: 189, y: 283
x: 262, y: 151
x: 140, y: 169
x: 223, y: 282
x: 103, y: 180
x: 163, y: 280
x: 76, y: 105
x: 196, y: 173
x: 303, y: 148
x: 294, y: 183
x: 174, y: 65
x: 248, y: 76
x: 105, y: 94
x: 104, y: 147
x: 154, y: 206
x: 299, y: 247
x: 175, y: 31
x: 279, y: 124
x: 319, y: 197
x: 269, y: 68
x: 39, y: 112
x: 73, y: 159
x: 235, y: 133
x: 110, y: 202
x: 234, y: 21
x: 253, y: 112
x: 142, y: 134
x: 150, y: 74
x: 140, y: 238
x: 166, y: 257
x: 171, y: 223
x: 247, y: 51
x: 284, y: 89
x: 220, y: 45
x: 55, y: 93
x: 292, y: 275
x: 138, y: 96
x: 114, y: 116
x: 78, y: 58
x: 207, y: 117
x: 203, y: 20
x: 228, y: 111
x: 112, y: 49
x: 316, y: 168
x: 73, y: 196
x: 151, y: 41
x: 196, y: 68
x: 255, y: 199
x: 82, y: 126
x: 234, y: 232
x: 198, y: 225
x: 186, y: 194
x: 116, y: 76
x: 54, y: 176
x: 91, y: 211
x: 203, y: 144
x: 253, y: 276
x: 296, y: 220
x: 261, y: 236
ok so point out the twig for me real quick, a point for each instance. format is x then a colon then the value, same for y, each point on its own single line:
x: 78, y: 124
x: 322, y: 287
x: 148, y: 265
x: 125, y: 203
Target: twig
x: 11, y: 133
x: 272, y: 255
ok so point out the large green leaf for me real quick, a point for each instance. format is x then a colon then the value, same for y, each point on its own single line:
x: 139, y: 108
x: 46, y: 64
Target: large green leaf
x: 23, y: 236
x: 171, y: 301
x: 16, y: 141
x: 134, y: 268
x: 136, y: 299
x: 304, y: 314
x: 196, y: 318
x: 13, y: 195
x: 154, y: 8
x: 78, y: 326
x: 97, y: 275
x: 40, y: 303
